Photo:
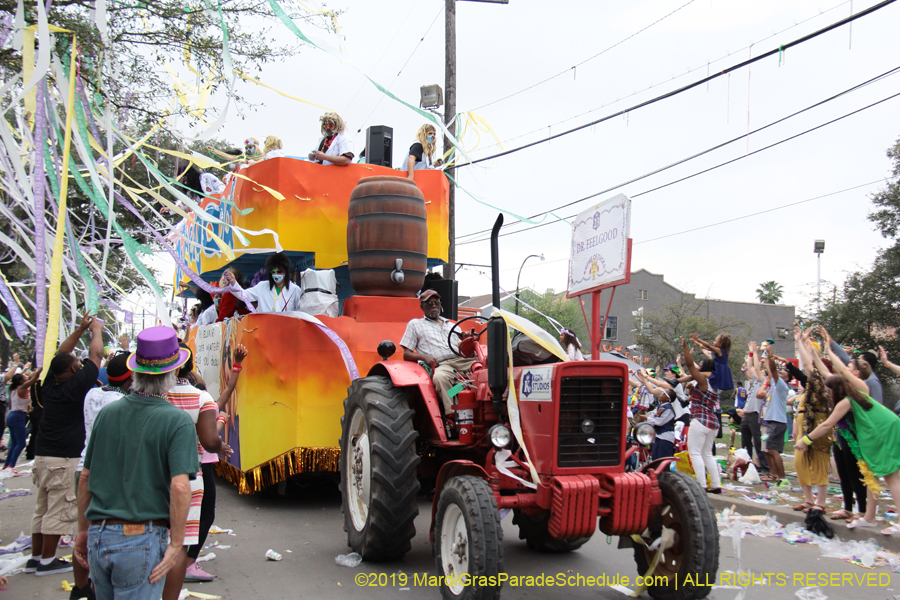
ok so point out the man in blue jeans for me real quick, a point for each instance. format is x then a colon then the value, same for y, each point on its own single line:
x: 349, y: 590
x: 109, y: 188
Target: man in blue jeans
x: 134, y: 492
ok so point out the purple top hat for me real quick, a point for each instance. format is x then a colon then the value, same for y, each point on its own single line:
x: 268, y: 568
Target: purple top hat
x: 157, y: 352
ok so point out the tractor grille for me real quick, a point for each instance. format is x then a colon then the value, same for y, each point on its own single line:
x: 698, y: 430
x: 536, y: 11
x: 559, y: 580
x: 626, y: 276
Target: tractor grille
x: 594, y: 399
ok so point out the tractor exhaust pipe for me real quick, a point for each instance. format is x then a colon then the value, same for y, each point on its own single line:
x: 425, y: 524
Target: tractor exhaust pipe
x: 495, y: 262
x: 498, y: 336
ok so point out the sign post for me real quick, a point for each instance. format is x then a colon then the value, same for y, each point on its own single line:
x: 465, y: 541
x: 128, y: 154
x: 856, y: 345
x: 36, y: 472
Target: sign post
x: 600, y: 257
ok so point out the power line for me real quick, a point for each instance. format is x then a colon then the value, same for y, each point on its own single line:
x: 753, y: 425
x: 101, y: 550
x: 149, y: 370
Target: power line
x: 604, y: 51
x: 655, y: 85
x: 884, y: 75
x: 393, y: 81
x: 762, y: 212
x: 710, y: 168
x: 690, y: 86
x: 380, y: 58
x: 725, y: 222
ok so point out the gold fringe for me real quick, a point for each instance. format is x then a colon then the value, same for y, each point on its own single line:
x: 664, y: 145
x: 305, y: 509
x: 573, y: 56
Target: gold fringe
x: 868, y: 477
x: 281, y: 468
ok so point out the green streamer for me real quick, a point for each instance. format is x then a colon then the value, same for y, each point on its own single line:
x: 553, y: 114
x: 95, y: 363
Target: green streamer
x: 5, y: 321
x: 503, y: 210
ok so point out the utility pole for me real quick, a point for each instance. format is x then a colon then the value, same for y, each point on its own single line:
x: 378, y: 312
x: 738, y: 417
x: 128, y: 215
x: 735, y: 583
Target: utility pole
x: 450, y: 121
x: 450, y: 118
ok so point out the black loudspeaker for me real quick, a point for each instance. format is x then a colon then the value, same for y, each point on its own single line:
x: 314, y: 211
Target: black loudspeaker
x: 448, y: 289
x: 379, y: 145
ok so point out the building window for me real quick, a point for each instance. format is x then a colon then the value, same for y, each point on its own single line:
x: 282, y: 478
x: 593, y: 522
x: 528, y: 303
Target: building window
x: 612, y: 327
x: 642, y: 294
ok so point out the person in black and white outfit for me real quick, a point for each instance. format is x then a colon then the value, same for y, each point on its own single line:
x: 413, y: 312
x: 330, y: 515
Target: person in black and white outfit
x: 421, y: 153
x: 277, y: 293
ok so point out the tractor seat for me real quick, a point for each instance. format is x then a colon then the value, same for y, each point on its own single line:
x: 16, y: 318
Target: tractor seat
x: 526, y: 351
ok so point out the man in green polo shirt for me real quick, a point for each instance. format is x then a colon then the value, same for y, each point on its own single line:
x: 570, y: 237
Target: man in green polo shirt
x: 134, y: 490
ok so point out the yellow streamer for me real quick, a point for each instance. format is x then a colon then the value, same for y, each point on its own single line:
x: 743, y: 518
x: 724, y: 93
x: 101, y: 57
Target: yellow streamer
x: 53, y: 307
x: 277, y: 91
x: 27, y: 72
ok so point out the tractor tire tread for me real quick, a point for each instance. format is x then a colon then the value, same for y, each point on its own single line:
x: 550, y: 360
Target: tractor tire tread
x: 482, y: 514
x: 394, y: 462
x: 703, y: 555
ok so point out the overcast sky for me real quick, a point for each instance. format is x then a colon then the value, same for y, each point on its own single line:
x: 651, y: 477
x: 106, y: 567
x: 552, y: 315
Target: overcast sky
x: 502, y: 49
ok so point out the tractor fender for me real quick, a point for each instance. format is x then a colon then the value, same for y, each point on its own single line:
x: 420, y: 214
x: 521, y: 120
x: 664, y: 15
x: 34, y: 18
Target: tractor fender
x: 452, y: 469
x: 405, y: 373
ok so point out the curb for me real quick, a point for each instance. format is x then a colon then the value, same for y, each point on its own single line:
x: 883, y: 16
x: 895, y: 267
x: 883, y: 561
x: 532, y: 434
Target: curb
x: 786, y: 516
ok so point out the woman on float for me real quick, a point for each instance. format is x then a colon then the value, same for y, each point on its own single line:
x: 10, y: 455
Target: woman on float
x: 421, y: 153
x: 277, y: 293
x: 871, y: 430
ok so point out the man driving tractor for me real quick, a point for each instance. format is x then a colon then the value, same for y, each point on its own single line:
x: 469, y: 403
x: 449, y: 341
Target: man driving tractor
x: 427, y: 339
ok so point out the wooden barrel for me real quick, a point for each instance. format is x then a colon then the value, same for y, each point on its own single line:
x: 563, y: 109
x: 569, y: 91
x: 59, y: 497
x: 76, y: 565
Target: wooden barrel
x: 386, y: 220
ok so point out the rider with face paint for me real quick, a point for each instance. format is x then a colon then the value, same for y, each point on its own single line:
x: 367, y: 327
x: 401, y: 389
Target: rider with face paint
x: 421, y: 153
x: 276, y: 293
x: 334, y: 147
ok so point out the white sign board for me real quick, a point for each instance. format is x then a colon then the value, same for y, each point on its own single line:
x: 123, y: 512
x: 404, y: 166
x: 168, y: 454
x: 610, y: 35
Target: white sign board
x: 537, y: 383
x: 599, y: 253
x: 208, y: 357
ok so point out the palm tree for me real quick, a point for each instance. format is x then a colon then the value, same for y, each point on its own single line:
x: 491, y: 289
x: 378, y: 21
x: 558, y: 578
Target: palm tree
x: 769, y: 292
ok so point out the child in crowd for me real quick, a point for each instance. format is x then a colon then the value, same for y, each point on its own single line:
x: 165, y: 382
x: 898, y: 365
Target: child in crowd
x: 663, y: 421
x: 721, y: 378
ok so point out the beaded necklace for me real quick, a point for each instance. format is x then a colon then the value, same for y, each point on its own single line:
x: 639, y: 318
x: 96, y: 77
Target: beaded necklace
x: 160, y: 396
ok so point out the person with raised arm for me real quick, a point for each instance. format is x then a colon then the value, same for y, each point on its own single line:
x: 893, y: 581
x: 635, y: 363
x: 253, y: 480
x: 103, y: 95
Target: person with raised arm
x: 876, y: 391
x: 812, y: 410
x: 721, y: 378
x: 872, y: 432
x: 60, y: 439
x: 704, y: 426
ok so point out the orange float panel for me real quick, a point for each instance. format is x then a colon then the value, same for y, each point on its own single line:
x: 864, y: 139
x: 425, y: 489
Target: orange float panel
x: 311, y: 218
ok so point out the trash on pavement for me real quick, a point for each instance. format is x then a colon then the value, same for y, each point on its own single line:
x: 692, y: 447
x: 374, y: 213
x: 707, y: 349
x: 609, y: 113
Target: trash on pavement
x: 348, y: 560
x: 272, y: 555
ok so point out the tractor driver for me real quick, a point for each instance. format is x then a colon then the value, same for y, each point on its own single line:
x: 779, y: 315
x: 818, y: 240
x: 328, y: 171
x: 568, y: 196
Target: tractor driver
x: 426, y: 340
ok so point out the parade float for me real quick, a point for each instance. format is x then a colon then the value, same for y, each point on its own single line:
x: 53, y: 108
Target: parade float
x: 286, y: 411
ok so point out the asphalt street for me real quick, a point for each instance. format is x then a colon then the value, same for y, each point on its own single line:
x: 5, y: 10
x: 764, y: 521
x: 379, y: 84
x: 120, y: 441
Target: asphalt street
x: 305, y: 526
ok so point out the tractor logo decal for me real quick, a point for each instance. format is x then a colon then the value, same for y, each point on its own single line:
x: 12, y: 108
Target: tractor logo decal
x: 537, y: 383
x: 526, y: 384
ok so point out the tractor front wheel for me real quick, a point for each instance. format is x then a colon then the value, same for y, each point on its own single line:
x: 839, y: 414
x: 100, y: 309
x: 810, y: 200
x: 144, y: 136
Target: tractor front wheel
x: 378, y: 469
x: 688, y: 566
x: 468, y: 540
x: 533, y: 529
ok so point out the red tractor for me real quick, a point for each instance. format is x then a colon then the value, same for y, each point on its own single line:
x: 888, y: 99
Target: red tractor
x: 573, y: 419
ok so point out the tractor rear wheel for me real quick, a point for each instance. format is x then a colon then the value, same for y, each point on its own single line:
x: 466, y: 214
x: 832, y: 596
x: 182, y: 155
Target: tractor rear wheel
x: 533, y: 529
x: 468, y: 540
x: 378, y: 469
x: 693, y: 556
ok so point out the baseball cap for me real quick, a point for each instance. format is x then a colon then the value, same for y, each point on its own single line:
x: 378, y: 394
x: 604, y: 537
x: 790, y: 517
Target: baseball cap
x: 428, y: 294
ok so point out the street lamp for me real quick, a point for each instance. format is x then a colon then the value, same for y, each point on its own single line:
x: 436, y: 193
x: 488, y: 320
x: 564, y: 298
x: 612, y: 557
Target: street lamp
x: 818, y: 248
x: 540, y: 256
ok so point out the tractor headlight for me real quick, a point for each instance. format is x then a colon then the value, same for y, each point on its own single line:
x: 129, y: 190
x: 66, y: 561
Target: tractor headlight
x: 501, y: 436
x: 645, y: 434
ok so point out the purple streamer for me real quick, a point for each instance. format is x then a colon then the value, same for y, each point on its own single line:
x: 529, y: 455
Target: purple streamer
x: 15, y: 316
x: 345, y: 351
x: 40, y: 185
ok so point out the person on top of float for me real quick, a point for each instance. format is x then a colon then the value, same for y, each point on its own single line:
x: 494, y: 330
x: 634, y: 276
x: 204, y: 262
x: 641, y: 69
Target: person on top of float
x: 277, y: 293
x: 251, y: 151
x: 421, y: 153
x: 274, y: 148
x: 334, y: 147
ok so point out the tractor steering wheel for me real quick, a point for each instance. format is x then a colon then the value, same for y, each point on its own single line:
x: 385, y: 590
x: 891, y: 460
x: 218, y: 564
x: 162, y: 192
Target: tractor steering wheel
x: 454, y: 328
